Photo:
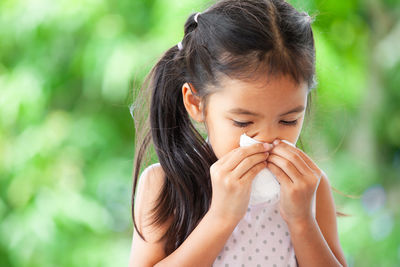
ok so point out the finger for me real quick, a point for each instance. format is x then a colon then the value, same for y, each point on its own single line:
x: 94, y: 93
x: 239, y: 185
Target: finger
x: 280, y: 175
x: 311, y: 167
x: 246, y: 164
x: 291, y: 153
x: 311, y: 163
x: 252, y: 172
x: 286, y: 166
x: 234, y: 157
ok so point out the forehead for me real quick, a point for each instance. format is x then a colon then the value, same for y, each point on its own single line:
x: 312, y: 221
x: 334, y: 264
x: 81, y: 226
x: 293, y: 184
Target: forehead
x: 262, y: 94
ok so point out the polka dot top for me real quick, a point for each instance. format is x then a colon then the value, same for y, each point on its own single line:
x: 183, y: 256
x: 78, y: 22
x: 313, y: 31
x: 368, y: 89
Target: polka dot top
x: 261, y: 238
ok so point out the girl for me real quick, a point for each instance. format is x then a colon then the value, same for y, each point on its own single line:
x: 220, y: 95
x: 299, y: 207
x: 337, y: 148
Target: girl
x: 243, y: 66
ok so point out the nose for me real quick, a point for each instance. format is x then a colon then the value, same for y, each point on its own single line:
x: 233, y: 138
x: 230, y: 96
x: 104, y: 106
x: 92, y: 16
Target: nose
x: 265, y: 137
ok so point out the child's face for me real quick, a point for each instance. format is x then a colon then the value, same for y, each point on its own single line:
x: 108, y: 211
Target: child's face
x: 270, y: 100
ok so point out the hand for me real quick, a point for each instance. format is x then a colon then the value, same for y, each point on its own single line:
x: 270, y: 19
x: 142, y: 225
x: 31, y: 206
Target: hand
x: 231, y: 178
x: 299, y: 177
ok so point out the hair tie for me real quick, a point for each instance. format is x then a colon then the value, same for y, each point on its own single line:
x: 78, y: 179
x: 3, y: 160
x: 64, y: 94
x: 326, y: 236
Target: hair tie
x: 196, y: 16
x: 180, y: 46
x: 307, y: 17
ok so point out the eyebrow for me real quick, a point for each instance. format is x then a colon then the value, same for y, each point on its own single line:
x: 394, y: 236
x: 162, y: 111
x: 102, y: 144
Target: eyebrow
x: 241, y: 111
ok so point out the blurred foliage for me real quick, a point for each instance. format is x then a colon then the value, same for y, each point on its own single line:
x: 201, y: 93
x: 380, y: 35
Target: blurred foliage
x: 67, y: 69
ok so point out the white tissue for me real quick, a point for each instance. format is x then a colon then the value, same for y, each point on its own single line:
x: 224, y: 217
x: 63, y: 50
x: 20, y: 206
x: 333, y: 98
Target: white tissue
x: 265, y: 187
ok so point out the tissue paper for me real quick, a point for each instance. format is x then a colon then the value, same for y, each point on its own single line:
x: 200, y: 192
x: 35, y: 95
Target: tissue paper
x: 265, y: 187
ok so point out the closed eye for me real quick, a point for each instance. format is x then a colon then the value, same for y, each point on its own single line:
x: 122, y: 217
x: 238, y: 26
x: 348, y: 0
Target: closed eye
x: 289, y: 123
x: 245, y: 124
x: 241, y: 124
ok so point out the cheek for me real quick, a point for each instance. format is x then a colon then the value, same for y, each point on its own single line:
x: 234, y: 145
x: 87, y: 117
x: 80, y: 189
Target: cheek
x: 224, y: 137
x: 294, y: 133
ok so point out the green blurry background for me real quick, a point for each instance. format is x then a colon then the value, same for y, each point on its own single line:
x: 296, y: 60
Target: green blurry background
x: 67, y: 71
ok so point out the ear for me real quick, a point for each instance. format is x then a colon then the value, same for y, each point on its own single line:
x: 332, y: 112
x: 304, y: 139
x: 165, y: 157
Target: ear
x: 192, y: 102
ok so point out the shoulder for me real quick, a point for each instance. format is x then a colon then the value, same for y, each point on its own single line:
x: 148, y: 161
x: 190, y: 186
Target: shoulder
x: 149, y: 187
x: 325, y: 205
x: 326, y: 217
x: 151, y: 180
x: 151, y: 250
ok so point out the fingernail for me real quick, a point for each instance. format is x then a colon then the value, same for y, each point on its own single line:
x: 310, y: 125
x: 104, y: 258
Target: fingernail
x: 276, y: 141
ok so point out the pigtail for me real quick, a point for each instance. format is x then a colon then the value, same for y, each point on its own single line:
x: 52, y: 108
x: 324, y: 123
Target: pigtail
x: 182, y: 152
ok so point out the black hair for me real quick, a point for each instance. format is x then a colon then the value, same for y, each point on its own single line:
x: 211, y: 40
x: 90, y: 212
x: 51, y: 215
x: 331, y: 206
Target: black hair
x: 237, y: 38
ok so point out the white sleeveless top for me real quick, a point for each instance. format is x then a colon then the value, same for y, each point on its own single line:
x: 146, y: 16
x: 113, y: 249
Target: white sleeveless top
x: 261, y: 238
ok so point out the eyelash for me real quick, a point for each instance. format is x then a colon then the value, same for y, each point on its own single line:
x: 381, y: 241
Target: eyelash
x: 244, y: 124
x: 290, y: 123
